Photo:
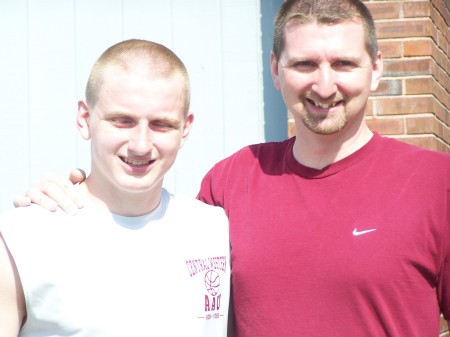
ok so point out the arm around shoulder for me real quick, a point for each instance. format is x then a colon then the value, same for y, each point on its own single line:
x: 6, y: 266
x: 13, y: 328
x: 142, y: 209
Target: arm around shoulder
x: 12, y: 301
x: 53, y: 191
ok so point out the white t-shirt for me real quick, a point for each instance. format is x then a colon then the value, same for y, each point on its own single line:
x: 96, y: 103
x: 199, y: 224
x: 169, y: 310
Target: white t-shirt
x: 166, y: 273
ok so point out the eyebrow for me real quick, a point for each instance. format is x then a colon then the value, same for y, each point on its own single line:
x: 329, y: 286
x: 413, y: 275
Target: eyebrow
x: 294, y: 59
x: 126, y: 114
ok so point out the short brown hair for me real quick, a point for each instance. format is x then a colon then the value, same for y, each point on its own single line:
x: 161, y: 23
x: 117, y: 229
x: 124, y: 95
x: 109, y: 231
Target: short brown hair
x: 323, y: 12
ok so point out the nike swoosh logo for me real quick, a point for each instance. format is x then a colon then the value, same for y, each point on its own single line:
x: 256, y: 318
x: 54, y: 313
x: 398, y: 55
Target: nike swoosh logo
x: 356, y: 232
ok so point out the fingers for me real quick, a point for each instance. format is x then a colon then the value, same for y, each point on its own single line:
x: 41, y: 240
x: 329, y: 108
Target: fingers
x: 50, y: 192
x: 21, y: 201
x: 36, y: 194
x: 57, y: 190
x: 77, y: 176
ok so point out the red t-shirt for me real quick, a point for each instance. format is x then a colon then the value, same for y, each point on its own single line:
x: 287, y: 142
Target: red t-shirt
x: 359, y: 248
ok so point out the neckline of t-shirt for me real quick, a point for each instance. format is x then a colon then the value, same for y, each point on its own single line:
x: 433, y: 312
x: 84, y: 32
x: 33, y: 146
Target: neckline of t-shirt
x: 135, y: 222
x: 340, y: 165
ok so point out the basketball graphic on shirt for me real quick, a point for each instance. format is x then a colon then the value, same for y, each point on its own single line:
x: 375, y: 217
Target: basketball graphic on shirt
x: 212, y: 282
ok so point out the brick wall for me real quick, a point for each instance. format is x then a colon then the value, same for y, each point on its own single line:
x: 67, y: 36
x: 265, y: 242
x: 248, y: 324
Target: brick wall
x: 413, y: 99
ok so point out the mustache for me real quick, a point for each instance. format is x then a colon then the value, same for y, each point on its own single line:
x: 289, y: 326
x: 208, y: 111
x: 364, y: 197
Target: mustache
x: 333, y: 99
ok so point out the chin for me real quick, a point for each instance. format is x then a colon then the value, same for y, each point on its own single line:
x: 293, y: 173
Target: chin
x: 325, y: 126
x: 322, y: 129
x: 136, y: 186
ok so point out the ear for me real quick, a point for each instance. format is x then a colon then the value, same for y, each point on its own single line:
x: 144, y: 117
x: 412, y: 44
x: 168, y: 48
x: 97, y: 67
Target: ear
x: 377, y: 72
x: 274, y: 70
x: 83, y: 120
x: 187, y: 128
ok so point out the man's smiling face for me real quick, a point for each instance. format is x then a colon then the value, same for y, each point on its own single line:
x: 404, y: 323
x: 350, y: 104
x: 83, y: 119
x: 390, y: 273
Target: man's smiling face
x: 136, y: 127
x: 325, y: 74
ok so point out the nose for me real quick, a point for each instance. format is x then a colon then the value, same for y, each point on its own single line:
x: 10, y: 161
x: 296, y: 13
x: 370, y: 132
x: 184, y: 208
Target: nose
x: 324, y: 82
x: 140, y: 141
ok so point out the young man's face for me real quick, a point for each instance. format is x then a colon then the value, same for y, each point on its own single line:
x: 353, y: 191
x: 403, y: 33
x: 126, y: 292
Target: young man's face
x: 325, y: 74
x: 136, y: 127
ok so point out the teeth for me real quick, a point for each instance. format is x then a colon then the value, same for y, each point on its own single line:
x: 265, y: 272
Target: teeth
x: 135, y: 162
x: 324, y: 106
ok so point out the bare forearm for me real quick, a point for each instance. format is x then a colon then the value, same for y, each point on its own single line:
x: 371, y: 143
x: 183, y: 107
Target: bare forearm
x: 12, y: 302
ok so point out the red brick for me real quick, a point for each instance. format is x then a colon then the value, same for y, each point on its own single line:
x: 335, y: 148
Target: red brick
x: 442, y: 43
x: 417, y: 86
x: 441, y: 76
x: 404, y: 28
x: 407, y: 67
x: 443, y: 7
x: 446, y: 135
x: 419, y: 47
x: 441, y: 94
x: 441, y: 58
x: 427, y: 85
x: 369, y: 107
x: 403, y: 105
x: 390, y: 49
x: 440, y: 129
x: 441, y: 113
x: 384, y: 10
x: 416, y: 9
x: 386, y: 126
x: 429, y: 142
x: 440, y: 20
x: 389, y: 87
x: 420, y: 125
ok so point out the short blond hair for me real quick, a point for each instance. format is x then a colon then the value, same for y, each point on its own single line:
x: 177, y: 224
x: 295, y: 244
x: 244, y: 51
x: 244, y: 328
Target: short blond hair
x: 159, y: 59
